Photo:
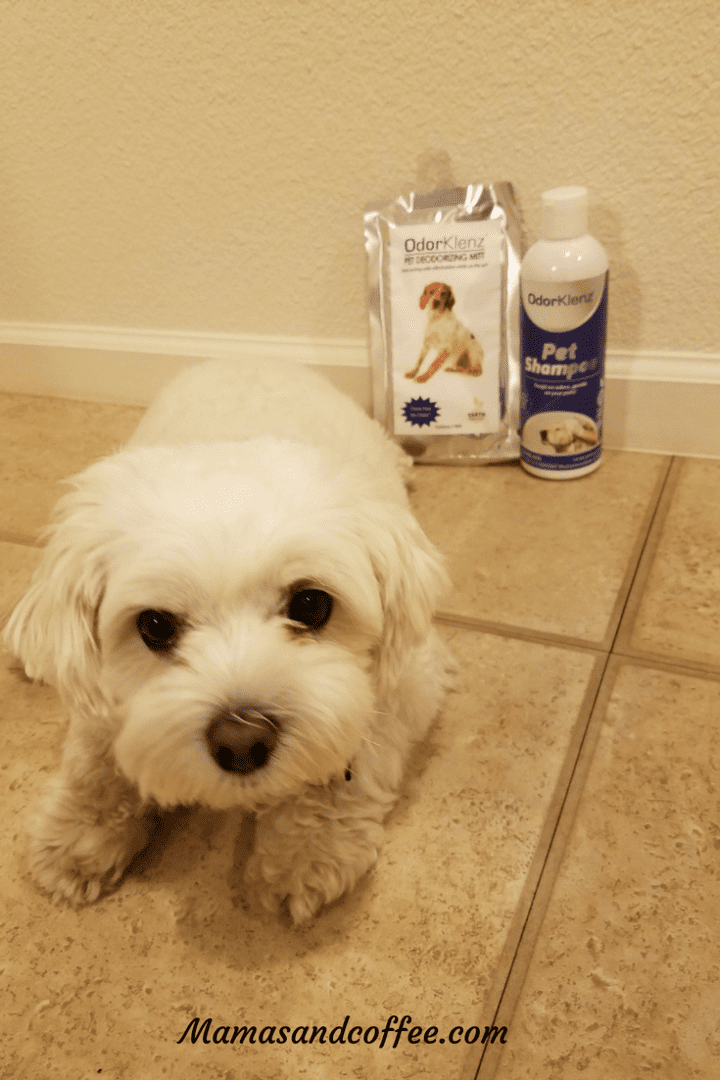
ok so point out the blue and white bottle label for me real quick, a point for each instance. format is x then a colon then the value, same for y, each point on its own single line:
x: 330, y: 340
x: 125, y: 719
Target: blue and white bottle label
x: 562, y: 334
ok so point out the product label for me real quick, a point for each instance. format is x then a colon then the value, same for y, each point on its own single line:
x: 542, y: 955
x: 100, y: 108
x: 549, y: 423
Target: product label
x: 446, y: 290
x: 562, y: 334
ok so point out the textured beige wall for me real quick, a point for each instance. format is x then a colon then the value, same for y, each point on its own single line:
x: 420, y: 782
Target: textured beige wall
x: 203, y: 164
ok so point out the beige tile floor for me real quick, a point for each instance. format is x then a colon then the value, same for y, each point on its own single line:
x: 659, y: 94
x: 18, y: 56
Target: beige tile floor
x: 552, y: 866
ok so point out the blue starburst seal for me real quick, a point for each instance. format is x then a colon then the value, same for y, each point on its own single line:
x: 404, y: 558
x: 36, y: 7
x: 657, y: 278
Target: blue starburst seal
x: 421, y: 412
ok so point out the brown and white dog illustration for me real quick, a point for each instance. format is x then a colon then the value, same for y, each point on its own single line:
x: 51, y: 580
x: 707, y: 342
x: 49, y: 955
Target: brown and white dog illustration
x: 447, y: 335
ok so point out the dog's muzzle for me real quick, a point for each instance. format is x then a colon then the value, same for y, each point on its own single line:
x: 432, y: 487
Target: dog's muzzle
x: 243, y: 740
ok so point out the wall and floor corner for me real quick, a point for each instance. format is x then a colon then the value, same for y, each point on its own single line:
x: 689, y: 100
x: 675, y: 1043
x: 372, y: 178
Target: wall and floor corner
x: 200, y: 169
x: 658, y: 402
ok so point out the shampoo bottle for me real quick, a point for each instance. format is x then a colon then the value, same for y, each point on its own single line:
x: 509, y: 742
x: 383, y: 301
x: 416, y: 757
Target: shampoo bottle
x: 563, y: 319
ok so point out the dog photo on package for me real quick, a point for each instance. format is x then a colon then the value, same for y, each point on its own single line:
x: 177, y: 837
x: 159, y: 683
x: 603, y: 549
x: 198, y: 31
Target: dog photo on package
x: 443, y: 291
x: 445, y: 369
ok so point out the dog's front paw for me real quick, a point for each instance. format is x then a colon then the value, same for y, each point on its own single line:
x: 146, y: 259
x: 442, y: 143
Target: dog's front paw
x: 305, y: 868
x: 305, y: 889
x: 77, y: 859
x: 267, y: 886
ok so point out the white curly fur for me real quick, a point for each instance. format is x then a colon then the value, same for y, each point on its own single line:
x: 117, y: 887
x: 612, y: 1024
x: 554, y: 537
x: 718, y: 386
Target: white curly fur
x: 240, y: 483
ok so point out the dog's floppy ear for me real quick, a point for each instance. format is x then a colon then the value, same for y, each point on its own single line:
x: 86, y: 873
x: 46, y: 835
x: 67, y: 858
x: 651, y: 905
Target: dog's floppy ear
x: 449, y: 298
x: 435, y: 287
x: 411, y: 577
x: 52, y: 629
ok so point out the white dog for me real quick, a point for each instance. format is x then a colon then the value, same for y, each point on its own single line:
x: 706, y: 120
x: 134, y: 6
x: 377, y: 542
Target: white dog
x: 240, y: 623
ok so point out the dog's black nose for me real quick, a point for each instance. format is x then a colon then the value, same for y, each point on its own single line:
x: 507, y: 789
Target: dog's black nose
x: 543, y: 435
x: 242, y: 741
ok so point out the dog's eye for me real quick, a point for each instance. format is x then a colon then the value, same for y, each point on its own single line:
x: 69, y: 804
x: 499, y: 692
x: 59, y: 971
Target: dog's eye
x: 311, y: 607
x: 158, y: 629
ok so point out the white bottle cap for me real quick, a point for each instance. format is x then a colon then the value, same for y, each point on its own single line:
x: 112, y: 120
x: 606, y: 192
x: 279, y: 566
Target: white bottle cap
x: 564, y: 213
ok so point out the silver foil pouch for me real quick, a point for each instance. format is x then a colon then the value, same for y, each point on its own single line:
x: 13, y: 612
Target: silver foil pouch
x: 443, y: 274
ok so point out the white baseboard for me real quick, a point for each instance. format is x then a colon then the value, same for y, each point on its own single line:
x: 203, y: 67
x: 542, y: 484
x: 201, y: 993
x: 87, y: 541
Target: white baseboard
x: 662, y: 402
x: 126, y: 366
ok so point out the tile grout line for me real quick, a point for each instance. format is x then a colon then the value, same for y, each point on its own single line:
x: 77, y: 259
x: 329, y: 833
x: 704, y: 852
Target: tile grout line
x: 535, y: 907
x: 649, y: 523
x: 533, y: 903
x: 518, y: 633
x: 656, y: 662
x: 607, y: 643
x: 491, y: 1056
x: 622, y: 645
x: 646, y: 560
